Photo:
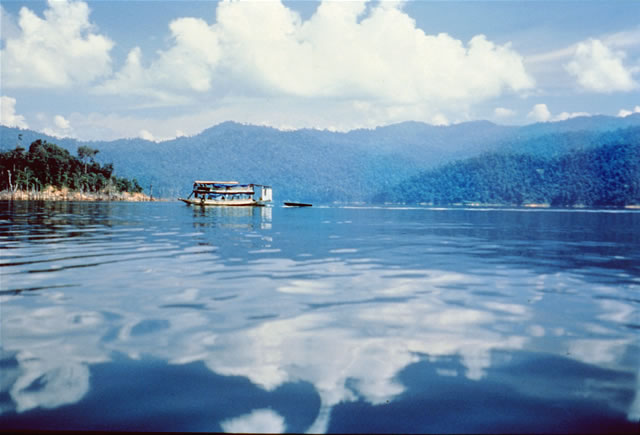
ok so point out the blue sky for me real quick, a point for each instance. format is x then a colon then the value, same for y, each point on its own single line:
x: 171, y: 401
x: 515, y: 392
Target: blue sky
x: 161, y: 69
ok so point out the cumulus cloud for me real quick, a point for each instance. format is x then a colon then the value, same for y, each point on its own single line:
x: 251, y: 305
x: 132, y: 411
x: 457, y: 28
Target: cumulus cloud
x: 58, y: 50
x: 624, y: 112
x: 146, y: 135
x: 503, y: 112
x: 188, y: 65
x: 599, y: 69
x: 540, y: 113
x: 61, y: 127
x: 61, y: 122
x: 568, y: 115
x: 343, y: 51
x: 8, y: 116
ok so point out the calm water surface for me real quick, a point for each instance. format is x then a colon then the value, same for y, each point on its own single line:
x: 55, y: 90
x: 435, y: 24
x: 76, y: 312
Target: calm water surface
x: 159, y: 316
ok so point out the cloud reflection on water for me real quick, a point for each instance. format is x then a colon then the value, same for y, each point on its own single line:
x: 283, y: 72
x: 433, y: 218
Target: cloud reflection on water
x: 258, y: 421
x: 352, y: 347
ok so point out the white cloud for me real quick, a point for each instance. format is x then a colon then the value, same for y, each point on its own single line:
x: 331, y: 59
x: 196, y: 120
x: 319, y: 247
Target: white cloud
x: 8, y: 116
x: 111, y: 126
x: 599, y: 69
x: 502, y: 112
x: 624, y: 38
x: 61, y: 127
x: 343, y: 52
x: 624, y: 112
x: 146, y: 135
x: 440, y: 119
x: 540, y: 113
x: 568, y: 115
x: 258, y: 421
x: 58, y: 50
x: 281, y: 113
x: 61, y: 122
x: 188, y: 65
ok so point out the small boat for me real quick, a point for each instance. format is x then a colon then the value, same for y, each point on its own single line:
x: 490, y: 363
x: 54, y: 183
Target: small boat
x: 296, y: 204
x: 228, y: 193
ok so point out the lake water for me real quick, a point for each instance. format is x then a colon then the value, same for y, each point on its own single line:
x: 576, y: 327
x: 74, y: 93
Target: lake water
x: 159, y: 316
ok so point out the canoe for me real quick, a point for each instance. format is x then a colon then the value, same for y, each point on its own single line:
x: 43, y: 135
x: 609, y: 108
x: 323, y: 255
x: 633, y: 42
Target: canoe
x: 296, y: 204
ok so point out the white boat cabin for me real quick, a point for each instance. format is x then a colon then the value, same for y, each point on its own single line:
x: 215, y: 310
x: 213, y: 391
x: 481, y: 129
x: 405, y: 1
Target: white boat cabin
x: 228, y: 193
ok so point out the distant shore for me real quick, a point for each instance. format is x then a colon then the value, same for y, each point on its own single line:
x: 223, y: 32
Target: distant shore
x: 527, y: 205
x: 52, y: 194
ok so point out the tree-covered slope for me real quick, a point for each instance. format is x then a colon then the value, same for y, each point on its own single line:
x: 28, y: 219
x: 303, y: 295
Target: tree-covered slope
x: 46, y: 164
x: 608, y: 175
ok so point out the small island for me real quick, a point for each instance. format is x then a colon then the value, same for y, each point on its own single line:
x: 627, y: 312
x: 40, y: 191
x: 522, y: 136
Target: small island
x: 48, y: 172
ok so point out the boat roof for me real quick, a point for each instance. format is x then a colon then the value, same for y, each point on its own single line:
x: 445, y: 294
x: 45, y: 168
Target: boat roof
x: 228, y: 183
x: 215, y: 182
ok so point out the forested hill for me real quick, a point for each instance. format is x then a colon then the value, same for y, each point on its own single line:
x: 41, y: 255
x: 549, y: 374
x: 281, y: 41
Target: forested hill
x: 322, y: 166
x: 608, y: 175
x: 45, y: 164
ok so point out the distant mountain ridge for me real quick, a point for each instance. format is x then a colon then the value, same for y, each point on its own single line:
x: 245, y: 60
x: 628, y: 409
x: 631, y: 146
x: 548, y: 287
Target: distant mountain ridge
x: 322, y: 166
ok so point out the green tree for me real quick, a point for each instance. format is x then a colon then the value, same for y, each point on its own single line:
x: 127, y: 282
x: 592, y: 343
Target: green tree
x: 86, y: 155
x: 46, y: 164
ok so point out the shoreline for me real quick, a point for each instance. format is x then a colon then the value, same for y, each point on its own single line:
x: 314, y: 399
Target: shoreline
x: 523, y: 206
x: 52, y: 194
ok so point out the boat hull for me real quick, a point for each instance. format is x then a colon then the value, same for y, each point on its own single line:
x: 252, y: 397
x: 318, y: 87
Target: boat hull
x: 223, y: 203
x: 296, y: 204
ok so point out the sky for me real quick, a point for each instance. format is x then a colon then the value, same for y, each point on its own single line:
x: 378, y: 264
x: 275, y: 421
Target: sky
x: 102, y: 70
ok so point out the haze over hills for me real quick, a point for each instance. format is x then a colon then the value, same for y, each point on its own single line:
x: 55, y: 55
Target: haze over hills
x: 323, y: 166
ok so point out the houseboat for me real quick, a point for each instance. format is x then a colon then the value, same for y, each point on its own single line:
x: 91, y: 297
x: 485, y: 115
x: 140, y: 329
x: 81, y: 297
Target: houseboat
x: 228, y: 193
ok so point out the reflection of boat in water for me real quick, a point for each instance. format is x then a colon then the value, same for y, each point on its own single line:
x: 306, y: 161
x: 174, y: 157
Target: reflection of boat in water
x: 228, y: 193
x: 297, y: 204
x: 232, y: 217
